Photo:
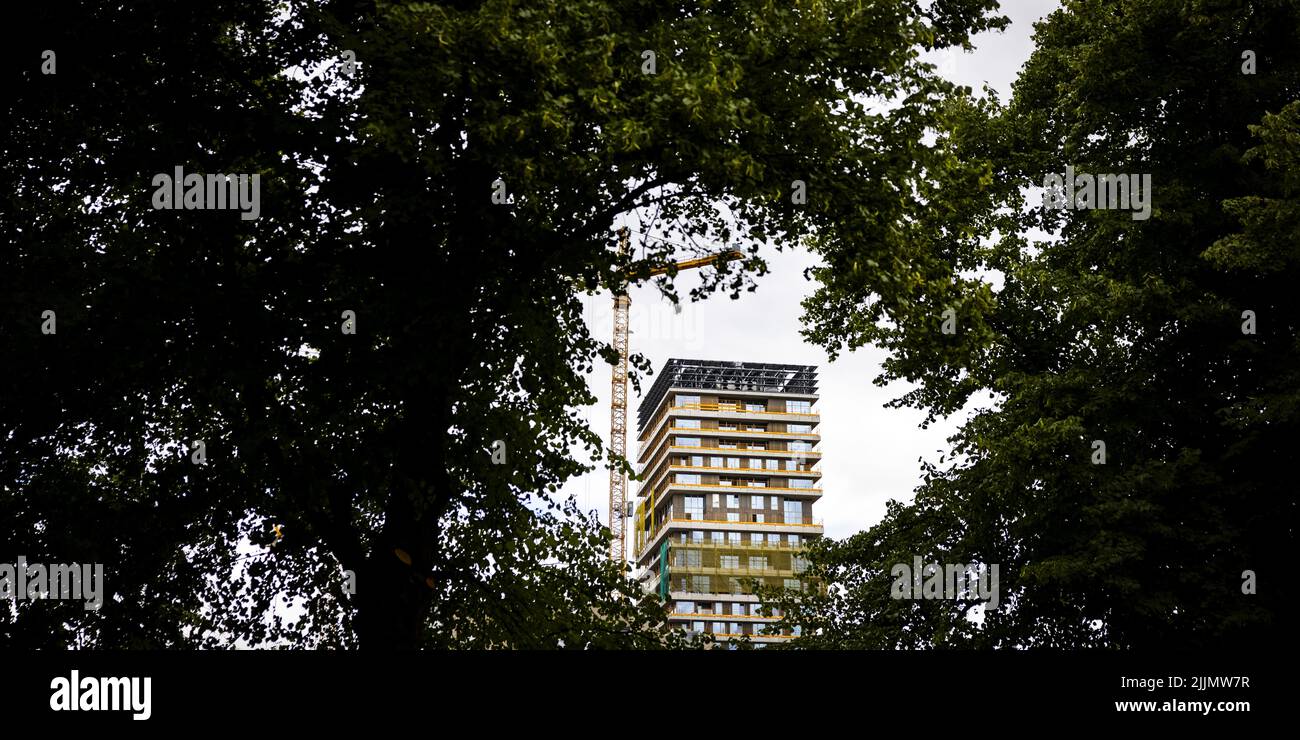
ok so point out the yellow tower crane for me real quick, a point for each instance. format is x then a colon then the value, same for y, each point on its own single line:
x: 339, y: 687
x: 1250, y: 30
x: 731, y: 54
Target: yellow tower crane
x: 618, y: 394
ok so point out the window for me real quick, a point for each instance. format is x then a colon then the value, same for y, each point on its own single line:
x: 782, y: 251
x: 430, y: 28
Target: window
x: 687, y: 558
x: 727, y: 426
x: 697, y: 461
x: 693, y: 478
x: 694, y: 507
x: 688, y: 441
x: 733, y: 538
x: 799, y: 564
x: 773, y: 502
x: 733, y: 462
x: 733, y: 501
x: 715, y: 537
x: 756, y: 538
x: 734, y: 585
x: 736, y: 628
x: 685, y: 607
x: 730, y: 561
x: 737, y: 608
x: 754, y: 406
x: 773, y: 540
x: 800, y: 483
x: 793, y: 584
x: 716, y: 499
x: 792, y: 540
x: 700, y: 584
x: 798, y: 407
x: 757, y: 518
x: 697, y: 537
x: 757, y: 562
x: 799, y: 428
x: 688, y: 424
x: 683, y: 399
x: 800, y: 445
x: 794, y: 512
x: 697, y: 626
x: 715, y: 462
x: 756, y: 610
x: 772, y: 464
x: 733, y: 516
x: 791, y: 465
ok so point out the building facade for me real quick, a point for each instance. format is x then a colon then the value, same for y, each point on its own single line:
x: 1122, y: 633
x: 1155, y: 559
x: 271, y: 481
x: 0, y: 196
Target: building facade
x: 728, y: 451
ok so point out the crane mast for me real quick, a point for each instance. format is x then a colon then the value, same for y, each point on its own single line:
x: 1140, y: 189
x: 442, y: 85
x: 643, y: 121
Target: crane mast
x: 618, y: 421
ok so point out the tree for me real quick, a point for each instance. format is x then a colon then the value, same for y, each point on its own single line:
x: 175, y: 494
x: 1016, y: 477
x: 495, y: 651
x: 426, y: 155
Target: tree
x: 1110, y: 331
x: 385, y: 365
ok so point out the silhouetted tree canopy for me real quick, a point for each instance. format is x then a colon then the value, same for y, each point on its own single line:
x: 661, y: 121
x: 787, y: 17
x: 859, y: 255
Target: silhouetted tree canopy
x: 1090, y: 326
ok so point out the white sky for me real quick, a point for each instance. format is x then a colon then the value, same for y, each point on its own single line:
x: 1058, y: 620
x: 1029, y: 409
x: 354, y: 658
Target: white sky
x: 870, y: 453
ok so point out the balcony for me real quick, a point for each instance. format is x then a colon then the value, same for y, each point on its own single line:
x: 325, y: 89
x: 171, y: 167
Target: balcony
x: 740, y: 572
x: 743, y: 490
x: 815, y: 527
x: 722, y: 617
x: 653, y: 483
x: 735, y: 433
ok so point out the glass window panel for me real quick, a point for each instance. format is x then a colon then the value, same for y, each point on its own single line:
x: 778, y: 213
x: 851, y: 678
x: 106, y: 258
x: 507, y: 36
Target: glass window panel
x: 694, y: 506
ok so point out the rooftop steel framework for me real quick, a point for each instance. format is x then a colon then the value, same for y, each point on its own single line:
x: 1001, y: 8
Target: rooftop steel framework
x: 727, y: 376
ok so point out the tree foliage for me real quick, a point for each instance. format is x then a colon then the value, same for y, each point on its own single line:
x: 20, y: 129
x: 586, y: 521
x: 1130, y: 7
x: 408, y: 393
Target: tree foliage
x: 1090, y: 325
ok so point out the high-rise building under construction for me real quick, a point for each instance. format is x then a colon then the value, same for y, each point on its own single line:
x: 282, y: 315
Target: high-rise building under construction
x: 728, y: 451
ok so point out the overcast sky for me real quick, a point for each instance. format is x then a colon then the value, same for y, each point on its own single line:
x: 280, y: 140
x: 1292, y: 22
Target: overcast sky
x: 870, y: 453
